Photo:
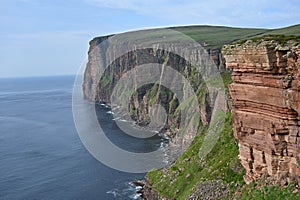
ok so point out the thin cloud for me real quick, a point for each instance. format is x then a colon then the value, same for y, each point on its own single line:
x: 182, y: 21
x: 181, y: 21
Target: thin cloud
x: 255, y: 13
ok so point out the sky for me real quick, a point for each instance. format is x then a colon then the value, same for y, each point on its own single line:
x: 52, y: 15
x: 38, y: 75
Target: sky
x: 50, y: 37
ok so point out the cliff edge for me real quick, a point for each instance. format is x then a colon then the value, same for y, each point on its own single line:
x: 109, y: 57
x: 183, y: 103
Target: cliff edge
x: 266, y: 114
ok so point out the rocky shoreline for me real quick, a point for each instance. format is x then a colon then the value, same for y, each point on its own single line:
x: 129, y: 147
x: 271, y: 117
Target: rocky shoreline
x: 147, y: 193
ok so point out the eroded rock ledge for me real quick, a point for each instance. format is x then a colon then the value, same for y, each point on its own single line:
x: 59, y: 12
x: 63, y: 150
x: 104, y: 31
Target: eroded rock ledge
x: 266, y: 93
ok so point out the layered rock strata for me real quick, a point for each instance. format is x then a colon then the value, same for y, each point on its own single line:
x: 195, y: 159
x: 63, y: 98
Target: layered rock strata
x: 266, y: 94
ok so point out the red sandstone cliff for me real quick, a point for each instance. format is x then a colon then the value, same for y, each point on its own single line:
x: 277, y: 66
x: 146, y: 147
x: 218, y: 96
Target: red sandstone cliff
x: 266, y: 94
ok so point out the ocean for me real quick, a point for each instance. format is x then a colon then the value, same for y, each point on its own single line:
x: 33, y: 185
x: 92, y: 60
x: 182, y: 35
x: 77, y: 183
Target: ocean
x: 41, y: 155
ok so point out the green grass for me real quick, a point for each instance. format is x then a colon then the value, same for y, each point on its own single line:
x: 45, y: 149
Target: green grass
x: 215, y: 82
x: 211, y: 36
x: 291, y: 30
x: 105, y: 80
x: 258, y: 190
x: 180, y: 179
x: 216, y: 36
x: 280, y: 39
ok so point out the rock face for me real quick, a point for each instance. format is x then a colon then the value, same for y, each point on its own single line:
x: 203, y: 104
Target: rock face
x: 100, y: 90
x: 266, y: 94
x: 96, y: 58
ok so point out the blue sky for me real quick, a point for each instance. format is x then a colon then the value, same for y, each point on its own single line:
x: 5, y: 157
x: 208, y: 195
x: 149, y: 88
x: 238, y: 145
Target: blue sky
x: 50, y: 37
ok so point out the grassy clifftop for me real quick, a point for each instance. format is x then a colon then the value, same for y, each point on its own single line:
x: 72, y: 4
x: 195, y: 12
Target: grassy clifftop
x: 217, y: 36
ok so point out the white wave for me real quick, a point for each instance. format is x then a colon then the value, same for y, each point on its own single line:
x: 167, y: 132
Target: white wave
x: 113, y: 192
x: 110, y: 112
x: 115, y: 119
x: 162, y: 145
x: 135, y: 196
x: 138, y: 187
x: 120, y: 119
x: 131, y: 192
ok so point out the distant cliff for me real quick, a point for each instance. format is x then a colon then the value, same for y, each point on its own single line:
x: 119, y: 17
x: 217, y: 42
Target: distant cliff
x: 266, y: 94
x: 97, y: 60
x: 100, y: 81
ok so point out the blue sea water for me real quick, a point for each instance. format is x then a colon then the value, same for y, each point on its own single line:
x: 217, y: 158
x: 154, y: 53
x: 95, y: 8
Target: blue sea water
x: 41, y: 155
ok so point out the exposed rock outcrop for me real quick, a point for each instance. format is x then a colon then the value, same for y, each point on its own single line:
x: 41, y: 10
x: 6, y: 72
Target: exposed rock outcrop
x: 217, y: 57
x: 266, y: 94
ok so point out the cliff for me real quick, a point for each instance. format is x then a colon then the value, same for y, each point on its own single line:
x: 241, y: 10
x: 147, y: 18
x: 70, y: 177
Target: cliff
x: 266, y: 94
x: 105, y: 69
x: 265, y: 112
x: 99, y: 56
x: 96, y: 59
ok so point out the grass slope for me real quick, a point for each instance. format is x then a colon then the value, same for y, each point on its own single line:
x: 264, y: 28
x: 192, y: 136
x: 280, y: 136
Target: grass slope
x: 213, y: 36
x: 217, y: 36
x: 181, y: 179
x: 291, y: 30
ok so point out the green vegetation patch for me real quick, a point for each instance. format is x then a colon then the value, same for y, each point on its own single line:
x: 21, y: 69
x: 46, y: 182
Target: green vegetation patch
x: 215, y: 36
x: 215, y: 82
x: 211, y: 37
x: 280, y: 39
x: 259, y: 190
x: 182, y: 178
